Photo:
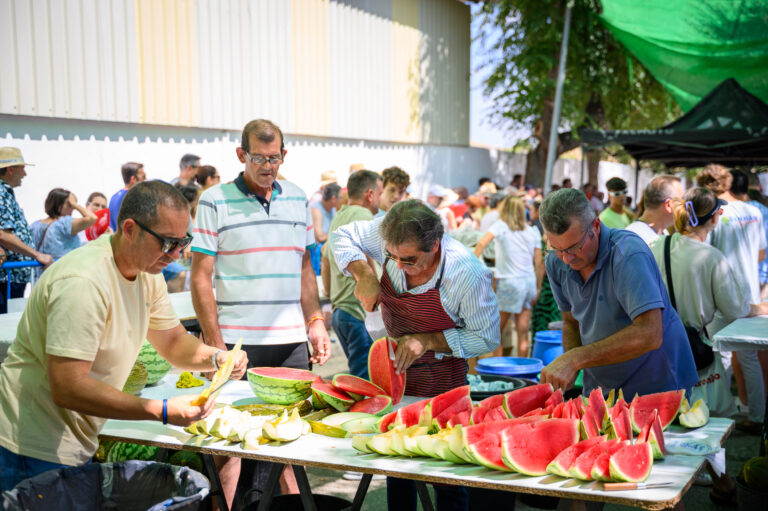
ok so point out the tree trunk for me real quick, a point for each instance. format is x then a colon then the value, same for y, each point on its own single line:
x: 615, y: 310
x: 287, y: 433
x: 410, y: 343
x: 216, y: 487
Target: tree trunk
x: 593, y: 163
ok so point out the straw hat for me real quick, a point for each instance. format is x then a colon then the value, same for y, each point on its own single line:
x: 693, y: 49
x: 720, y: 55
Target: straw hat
x: 355, y: 167
x: 11, y: 156
x: 327, y: 178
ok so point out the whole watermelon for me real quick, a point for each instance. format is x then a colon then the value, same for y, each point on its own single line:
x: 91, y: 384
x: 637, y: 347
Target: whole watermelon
x: 157, y: 366
x: 137, y: 379
x: 187, y: 459
x: 123, y: 451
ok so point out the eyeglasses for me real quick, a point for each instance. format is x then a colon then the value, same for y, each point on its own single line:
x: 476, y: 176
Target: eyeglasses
x: 258, y: 159
x: 573, y: 249
x: 167, y: 244
x: 397, y: 260
x: 617, y: 193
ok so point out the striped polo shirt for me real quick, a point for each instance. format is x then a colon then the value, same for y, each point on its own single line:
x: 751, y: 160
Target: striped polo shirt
x: 258, y: 251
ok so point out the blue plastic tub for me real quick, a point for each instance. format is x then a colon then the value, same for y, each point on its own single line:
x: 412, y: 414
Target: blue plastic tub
x: 510, y: 366
x: 548, y: 345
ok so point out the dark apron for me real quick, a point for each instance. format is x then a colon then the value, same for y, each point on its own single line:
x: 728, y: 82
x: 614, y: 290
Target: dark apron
x: 406, y: 313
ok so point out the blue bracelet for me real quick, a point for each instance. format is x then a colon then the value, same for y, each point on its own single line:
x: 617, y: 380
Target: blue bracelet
x: 165, y: 411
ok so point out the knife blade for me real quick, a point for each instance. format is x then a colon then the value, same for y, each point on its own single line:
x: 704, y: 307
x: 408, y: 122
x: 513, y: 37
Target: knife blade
x: 391, y: 350
x: 632, y: 486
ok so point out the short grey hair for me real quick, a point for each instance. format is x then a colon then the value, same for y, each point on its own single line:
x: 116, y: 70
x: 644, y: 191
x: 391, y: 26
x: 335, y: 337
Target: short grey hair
x: 141, y: 202
x: 658, y: 191
x: 330, y: 191
x: 188, y: 160
x: 411, y: 221
x: 560, y: 208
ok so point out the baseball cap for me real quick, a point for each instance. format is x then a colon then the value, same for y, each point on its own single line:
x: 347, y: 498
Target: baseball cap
x: 436, y: 190
x: 11, y: 156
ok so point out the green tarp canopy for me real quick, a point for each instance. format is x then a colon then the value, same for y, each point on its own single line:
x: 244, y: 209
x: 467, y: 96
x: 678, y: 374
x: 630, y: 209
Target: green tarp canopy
x: 729, y: 126
x: 691, y: 46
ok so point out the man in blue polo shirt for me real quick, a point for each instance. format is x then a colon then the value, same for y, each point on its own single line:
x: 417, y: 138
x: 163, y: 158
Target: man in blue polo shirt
x: 618, y: 324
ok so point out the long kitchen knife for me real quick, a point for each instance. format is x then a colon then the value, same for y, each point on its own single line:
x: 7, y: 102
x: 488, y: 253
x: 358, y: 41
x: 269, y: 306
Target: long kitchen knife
x: 632, y: 486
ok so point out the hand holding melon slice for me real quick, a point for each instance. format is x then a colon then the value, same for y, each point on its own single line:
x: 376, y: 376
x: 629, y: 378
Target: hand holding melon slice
x: 220, y: 378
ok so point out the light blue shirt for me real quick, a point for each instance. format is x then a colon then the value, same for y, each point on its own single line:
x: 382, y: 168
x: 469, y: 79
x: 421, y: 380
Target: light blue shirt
x: 58, y: 241
x: 625, y: 283
x: 465, y: 291
x: 326, y: 215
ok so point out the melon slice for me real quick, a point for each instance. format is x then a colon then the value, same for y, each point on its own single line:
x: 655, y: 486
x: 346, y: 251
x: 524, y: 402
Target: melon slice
x: 653, y: 434
x: 563, y: 461
x: 482, y: 442
x: 555, y: 399
x: 284, y: 429
x: 696, y: 416
x: 354, y: 385
x: 413, y: 414
x: 537, y: 411
x: 529, y: 448
x: 619, y: 425
x: 601, y: 467
x: 461, y: 418
x: 338, y: 399
x: 557, y: 411
x: 632, y: 463
x: 492, y: 402
x: 410, y: 440
x: 360, y: 426
x: 496, y: 414
x: 478, y: 414
x: 381, y: 369
x: 337, y: 419
x: 456, y: 446
x: 666, y: 403
x: 596, y: 404
x: 582, y: 466
x: 463, y: 404
x: 520, y: 401
x: 220, y: 377
x: 360, y: 442
x: 588, y: 426
x: 387, y: 422
x: 377, y: 405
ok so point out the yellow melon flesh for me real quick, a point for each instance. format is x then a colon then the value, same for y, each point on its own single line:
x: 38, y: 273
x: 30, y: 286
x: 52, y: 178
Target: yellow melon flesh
x: 221, y: 376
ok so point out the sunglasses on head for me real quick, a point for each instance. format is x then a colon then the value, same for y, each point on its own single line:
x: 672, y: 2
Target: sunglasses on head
x: 167, y: 244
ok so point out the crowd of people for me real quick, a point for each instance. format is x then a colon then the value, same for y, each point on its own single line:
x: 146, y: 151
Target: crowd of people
x: 639, y: 292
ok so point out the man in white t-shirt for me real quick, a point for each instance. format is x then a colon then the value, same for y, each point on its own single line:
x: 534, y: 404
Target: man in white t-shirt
x: 658, y: 203
x: 740, y: 236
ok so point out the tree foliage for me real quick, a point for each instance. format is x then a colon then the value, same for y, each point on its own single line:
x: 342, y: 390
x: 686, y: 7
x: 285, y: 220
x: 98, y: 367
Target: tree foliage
x: 604, y: 87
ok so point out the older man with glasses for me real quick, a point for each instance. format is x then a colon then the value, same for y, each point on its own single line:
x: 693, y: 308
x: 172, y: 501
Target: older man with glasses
x: 81, y: 332
x: 618, y: 324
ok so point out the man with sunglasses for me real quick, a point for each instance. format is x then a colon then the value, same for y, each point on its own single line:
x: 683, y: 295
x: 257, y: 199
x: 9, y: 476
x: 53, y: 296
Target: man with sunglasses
x: 81, y: 332
x: 618, y: 324
x: 616, y: 215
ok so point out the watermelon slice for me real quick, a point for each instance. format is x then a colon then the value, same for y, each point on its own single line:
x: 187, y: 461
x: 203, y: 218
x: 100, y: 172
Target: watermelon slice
x: 620, y: 425
x: 589, y: 427
x: 280, y: 385
x: 563, y: 461
x: 464, y: 404
x: 496, y: 414
x: 492, y: 402
x: 520, y: 401
x: 582, y: 466
x: 557, y: 411
x: 632, y: 463
x: 442, y: 402
x: 652, y: 433
x: 482, y: 442
x: 601, y: 467
x: 329, y: 394
x: 555, y: 399
x: 377, y: 405
x: 666, y: 403
x: 382, y: 370
x: 598, y: 407
x: 461, y: 418
x: 529, y: 448
x: 537, y: 411
x: 478, y: 414
x: 413, y: 414
x: 387, y: 422
x: 353, y: 385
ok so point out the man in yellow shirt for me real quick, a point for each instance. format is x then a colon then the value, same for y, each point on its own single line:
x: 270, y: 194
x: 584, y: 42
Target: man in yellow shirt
x: 616, y: 215
x: 81, y: 332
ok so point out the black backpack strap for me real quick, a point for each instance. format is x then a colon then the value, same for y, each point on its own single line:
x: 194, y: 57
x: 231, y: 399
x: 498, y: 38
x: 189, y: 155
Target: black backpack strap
x: 668, y: 270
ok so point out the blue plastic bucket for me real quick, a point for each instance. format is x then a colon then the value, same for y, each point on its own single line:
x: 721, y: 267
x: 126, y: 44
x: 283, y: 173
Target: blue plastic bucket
x: 510, y: 366
x: 548, y: 345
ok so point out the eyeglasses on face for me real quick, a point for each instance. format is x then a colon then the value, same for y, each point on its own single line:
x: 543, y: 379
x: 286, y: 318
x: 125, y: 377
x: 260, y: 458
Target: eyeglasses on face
x: 573, y: 249
x: 259, y: 159
x: 398, y: 260
x: 618, y: 193
x: 167, y: 244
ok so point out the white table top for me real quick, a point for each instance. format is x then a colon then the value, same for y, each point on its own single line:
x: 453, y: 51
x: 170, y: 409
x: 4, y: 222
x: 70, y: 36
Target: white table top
x: 743, y: 334
x: 338, y: 454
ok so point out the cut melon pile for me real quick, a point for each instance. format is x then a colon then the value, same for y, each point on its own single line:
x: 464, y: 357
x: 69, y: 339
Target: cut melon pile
x: 534, y: 431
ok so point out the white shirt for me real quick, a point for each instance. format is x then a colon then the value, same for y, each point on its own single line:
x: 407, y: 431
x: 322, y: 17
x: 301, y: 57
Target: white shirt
x: 514, y: 250
x: 739, y: 235
x: 643, y: 230
x: 488, y: 220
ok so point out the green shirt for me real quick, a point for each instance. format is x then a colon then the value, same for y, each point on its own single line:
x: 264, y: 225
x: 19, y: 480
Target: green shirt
x: 614, y: 220
x: 342, y: 287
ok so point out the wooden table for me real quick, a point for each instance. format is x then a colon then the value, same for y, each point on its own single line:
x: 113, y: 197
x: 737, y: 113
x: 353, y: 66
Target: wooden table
x: 337, y: 454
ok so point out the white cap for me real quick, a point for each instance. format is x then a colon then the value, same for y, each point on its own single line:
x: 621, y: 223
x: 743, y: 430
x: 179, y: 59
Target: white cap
x: 436, y: 190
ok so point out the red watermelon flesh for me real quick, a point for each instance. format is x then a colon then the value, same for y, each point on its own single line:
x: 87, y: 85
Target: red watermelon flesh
x: 598, y: 407
x: 377, y: 405
x: 354, y: 385
x: 555, y: 399
x: 621, y: 425
x: 529, y: 448
x: 496, y: 414
x: 412, y: 414
x: 329, y: 394
x: 459, y: 418
x: 520, y: 401
x: 600, y: 468
x: 464, y: 404
x: 537, y: 411
x: 442, y: 402
x: 582, y: 466
x: 492, y: 402
x: 666, y: 403
x: 563, y: 461
x: 557, y: 411
x: 645, y: 432
x: 387, y: 421
x: 620, y: 403
x: 632, y: 463
x: 657, y: 439
x: 478, y: 414
x: 483, y: 441
x: 488, y: 454
x: 589, y: 428
x: 381, y: 369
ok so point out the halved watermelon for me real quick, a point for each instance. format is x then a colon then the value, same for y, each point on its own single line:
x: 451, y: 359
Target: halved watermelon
x: 328, y: 394
x: 280, y: 385
x: 482, y: 442
x: 377, y: 405
x: 354, y: 385
x: 381, y: 369
x: 666, y: 403
x: 529, y: 448
x: 563, y: 461
x: 520, y: 401
x: 632, y: 463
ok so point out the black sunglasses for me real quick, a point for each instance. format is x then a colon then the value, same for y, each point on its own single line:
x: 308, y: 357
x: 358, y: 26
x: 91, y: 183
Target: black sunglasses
x: 167, y: 244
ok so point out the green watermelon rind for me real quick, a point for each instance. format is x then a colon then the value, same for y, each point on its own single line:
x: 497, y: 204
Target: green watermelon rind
x: 637, y: 424
x: 617, y: 474
x: 349, y: 386
x: 279, y: 391
x: 124, y: 451
x: 157, y: 366
x: 339, y: 404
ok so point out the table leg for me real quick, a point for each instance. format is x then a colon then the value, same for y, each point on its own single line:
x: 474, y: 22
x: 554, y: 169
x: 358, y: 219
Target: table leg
x: 272, y: 481
x: 304, y: 489
x: 426, y: 502
x: 362, y: 489
x: 217, y: 491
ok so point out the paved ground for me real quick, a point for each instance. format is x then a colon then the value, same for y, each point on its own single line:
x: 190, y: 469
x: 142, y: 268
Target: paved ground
x: 739, y: 448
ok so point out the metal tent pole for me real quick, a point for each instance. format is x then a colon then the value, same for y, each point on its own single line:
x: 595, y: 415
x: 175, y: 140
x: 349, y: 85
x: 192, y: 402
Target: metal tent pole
x: 558, y: 101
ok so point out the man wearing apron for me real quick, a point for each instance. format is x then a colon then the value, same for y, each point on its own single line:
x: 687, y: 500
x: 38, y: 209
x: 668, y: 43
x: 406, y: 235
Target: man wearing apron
x: 436, y: 300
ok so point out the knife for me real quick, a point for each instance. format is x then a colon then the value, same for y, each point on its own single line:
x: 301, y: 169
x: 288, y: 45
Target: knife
x: 632, y: 486
x: 391, y: 350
